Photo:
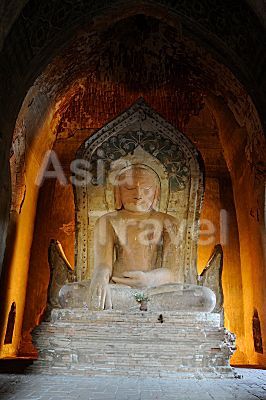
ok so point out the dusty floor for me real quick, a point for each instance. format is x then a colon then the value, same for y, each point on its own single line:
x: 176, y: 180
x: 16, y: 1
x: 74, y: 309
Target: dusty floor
x: 44, y: 387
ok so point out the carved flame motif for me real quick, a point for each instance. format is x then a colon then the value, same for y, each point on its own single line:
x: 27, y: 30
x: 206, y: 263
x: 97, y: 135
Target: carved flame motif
x: 167, y: 152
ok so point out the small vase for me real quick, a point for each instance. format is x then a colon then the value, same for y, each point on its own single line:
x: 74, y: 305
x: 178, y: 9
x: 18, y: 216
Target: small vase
x: 143, y: 306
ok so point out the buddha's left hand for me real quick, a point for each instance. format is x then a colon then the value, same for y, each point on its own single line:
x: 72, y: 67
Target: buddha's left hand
x: 140, y: 279
x: 136, y: 279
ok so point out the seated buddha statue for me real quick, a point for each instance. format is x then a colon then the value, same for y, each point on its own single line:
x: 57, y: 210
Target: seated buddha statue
x: 136, y: 248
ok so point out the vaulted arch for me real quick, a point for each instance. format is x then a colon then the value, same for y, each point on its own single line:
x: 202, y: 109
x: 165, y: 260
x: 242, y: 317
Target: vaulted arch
x: 77, y: 66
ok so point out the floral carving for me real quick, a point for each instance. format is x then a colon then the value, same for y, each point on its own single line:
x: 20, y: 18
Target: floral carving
x: 169, y: 153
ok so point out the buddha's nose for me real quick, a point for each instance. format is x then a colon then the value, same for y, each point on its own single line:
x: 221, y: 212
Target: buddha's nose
x: 138, y: 192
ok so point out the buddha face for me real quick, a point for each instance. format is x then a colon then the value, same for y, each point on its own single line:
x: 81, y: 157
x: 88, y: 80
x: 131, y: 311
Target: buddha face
x: 138, y: 188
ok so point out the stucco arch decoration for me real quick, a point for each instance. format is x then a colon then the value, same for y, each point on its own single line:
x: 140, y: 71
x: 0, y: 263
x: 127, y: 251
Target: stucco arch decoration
x: 39, y: 30
x: 141, y: 127
x: 68, y: 83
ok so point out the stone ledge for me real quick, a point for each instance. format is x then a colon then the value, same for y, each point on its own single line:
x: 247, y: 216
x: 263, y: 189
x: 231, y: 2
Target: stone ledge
x: 78, y: 314
x: 81, y: 342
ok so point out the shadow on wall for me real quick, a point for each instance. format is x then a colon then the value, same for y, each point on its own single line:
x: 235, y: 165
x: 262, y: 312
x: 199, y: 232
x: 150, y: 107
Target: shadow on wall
x: 9, y: 328
x: 10, y: 324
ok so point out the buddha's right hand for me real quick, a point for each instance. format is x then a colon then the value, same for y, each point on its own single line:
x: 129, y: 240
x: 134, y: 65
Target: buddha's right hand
x: 99, y: 293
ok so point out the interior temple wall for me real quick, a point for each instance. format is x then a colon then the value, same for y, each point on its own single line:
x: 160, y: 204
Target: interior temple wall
x: 55, y: 220
x: 218, y: 208
x: 28, y: 155
x: 248, y: 192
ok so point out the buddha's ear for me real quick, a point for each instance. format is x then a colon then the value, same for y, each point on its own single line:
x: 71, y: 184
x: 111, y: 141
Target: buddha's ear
x: 156, y: 200
x: 118, y: 201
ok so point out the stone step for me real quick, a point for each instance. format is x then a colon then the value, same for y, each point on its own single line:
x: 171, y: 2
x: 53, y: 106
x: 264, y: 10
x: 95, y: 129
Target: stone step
x: 132, y: 327
x: 141, y: 334
x: 130, y: 346
x: 147, y: 362
x: 93, y: 346
x: 188, y: 319
x: 124, y: 336
x: 136, y: 350
x: 135, y: 343
x: 96, y: 344
x: 178, y: 372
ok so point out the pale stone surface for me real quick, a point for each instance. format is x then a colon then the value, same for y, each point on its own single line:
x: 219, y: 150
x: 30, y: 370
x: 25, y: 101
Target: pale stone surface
x: 211, y: 276
x: 82, y: 342
x: 41, y: 387
x: 140, y: 136
x: 60, y: 272
x: 163, y: 298
x: 137, y: 246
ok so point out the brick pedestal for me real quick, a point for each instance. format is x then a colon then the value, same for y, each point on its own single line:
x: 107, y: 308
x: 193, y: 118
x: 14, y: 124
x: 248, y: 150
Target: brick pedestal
x: 78, y: 341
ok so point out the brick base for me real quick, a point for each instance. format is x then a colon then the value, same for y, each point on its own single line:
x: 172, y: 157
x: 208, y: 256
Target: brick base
x: 77, y: 341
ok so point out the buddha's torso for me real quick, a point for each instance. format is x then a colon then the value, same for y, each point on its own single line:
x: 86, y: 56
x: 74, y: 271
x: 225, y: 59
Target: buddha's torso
x: 138, y: 240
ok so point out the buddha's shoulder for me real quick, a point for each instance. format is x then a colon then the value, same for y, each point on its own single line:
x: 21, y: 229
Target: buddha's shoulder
x: 164, y: 217
x: 109, y: 217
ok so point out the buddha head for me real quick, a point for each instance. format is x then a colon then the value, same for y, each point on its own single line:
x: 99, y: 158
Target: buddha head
x: 137, y: 189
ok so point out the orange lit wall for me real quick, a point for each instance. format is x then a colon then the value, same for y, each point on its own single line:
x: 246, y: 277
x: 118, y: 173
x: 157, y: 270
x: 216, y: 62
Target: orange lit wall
x: 100, y: 72
x: 249, y: 196
x: 18, y: 252
x: 21, y: 228
x: 65, y: 127
x: 55, y: 212
x: 218, y: 215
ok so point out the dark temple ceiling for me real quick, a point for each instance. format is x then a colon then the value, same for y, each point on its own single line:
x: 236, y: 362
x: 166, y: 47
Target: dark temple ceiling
x: 137, y: 51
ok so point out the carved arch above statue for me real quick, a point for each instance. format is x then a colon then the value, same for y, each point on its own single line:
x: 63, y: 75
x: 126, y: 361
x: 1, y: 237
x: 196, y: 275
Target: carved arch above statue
x: 140, y: 135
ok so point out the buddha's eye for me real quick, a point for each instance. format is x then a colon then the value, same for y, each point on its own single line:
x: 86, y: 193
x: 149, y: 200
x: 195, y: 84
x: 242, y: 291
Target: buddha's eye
x: 134, y: 188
